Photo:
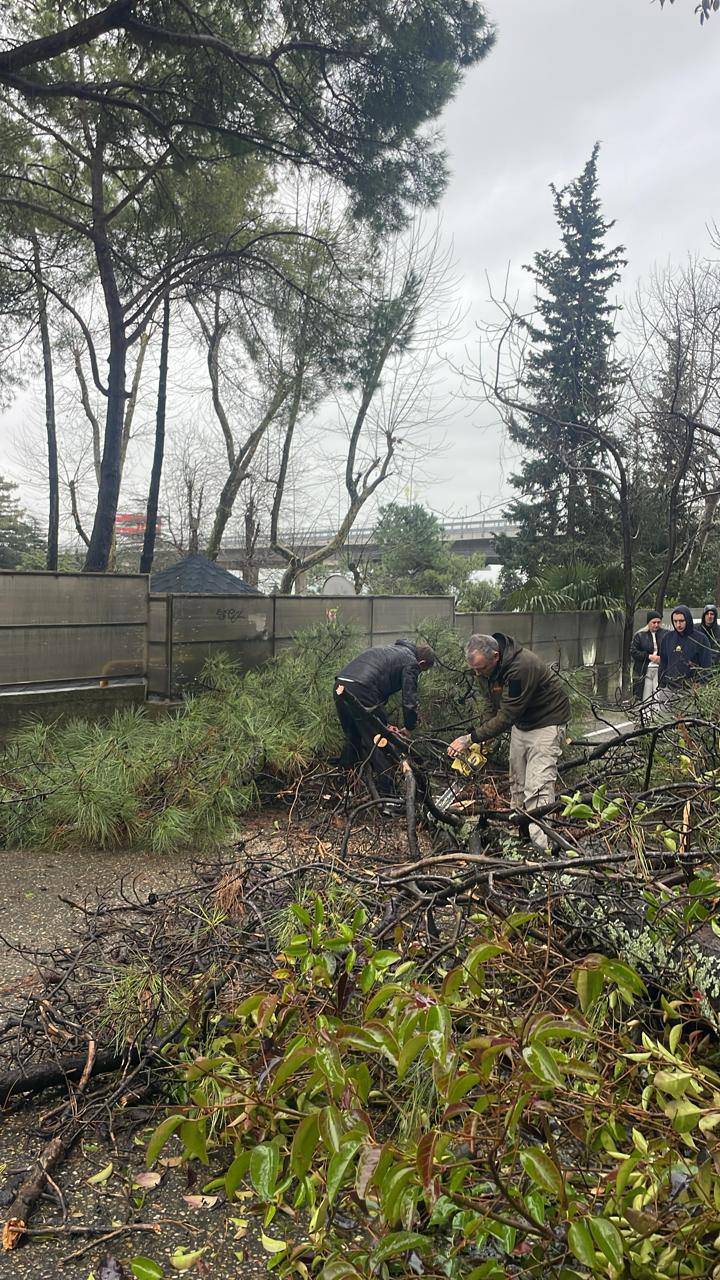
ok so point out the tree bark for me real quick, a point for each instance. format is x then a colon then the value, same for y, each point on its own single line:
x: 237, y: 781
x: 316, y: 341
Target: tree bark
x: 673, y: 496
x: 101, y: 538
x: 148, y: 551
x: 51, y: 559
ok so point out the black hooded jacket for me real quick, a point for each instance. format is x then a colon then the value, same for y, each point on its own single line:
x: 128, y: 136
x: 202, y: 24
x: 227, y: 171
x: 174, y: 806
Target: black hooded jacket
x: 683, y: 658
x: 711, y: 635
x: 386, y: 669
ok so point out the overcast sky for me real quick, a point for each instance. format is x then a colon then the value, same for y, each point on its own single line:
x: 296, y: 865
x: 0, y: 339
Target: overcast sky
x: 643, y: 81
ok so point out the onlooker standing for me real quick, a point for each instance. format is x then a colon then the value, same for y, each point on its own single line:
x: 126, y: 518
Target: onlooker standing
x: 710, y: 632
x: 683, y: 658
x: 645, y: 654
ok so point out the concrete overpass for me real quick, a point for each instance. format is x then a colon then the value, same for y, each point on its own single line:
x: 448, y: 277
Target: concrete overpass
x: 463, y: 537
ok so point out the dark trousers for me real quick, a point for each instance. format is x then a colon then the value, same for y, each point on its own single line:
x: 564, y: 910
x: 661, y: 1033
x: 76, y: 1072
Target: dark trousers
x: 359, y: 732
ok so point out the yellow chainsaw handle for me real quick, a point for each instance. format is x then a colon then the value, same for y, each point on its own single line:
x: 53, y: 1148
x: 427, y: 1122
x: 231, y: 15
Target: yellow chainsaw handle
x: 469, y: 761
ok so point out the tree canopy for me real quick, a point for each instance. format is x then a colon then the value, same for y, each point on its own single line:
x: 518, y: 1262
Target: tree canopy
x: 347, y: 88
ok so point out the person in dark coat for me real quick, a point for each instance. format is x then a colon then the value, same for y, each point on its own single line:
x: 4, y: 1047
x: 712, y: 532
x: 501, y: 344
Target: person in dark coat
x: 372, y: 678
x: 709, y: 632
x: 528, y: 698
x: 645, y: 654
x: 683, y: 659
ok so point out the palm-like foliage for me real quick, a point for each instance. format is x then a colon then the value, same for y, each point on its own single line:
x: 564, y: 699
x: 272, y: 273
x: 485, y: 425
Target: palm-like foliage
x: 579, y: 585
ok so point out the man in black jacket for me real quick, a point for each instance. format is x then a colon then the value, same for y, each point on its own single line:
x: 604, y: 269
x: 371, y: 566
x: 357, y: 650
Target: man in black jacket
x: 370, y: 679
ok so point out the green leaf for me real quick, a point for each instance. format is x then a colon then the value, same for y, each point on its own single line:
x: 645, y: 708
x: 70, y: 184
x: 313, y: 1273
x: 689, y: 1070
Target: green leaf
x: 183, y: 1260
x: 581, y: 811
x: 192, y: 1136
x: 580, y: 1241
x: 684, y: 1115
x: 301, y: 914
x: 160, y: 1136
x: 264, y: 1165
x: 271, y: 1245
x: 481, y: 954
x: 101, y: 1176
x: 381, y: 996
x: 287, y: 1068
x: 539, y: 1166
x: 236, y: 1173
x: 598, y: 800
x: 542, y: 1063
x: 609, y: 1241
x: 146, y: 1269
x: 328, y: 1060
x: 398, y: 1242
x: 307, y: 1136
x: 392, y: 1188
x: 331, y: 1128
x: 674, y: 1083
x: 338, y: 1167
x: 409, y: 1053
x: 461, y: 1085
x: 339, y: 1269
x: 674, y: 1037
x: 589, y: 983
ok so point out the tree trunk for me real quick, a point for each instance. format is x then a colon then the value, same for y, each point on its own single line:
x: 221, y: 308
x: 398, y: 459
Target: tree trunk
x: 101, y: 538
x: 51, y: 559
x: 628, y: 593
x: 148, y: 551
x: 670, y: 555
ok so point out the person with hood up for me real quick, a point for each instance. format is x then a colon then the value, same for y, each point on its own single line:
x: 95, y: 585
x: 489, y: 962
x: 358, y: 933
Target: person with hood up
x: 683, y: 658
x: 645, y: 654
x: 372, y: 678
x: 529, y: 699
x: 709, y: 632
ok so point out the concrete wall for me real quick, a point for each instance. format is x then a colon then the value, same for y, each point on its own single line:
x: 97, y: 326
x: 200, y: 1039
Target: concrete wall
x: 185, y: 630
x: 573, y: 640
x: 58, y: 626
x: 71, y: 644
x: 69, y: 636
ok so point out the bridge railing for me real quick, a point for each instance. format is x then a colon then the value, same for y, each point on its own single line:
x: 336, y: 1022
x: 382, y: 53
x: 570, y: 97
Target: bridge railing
x: 360, y: 534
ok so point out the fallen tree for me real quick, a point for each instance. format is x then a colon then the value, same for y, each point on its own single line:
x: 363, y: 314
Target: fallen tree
x: 431, y: 1026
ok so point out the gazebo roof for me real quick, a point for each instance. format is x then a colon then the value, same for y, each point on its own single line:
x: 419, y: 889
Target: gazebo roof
x: 196, y: 575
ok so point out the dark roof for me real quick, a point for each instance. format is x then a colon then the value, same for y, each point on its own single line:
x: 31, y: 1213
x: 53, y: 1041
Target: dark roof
x: 196, y: 575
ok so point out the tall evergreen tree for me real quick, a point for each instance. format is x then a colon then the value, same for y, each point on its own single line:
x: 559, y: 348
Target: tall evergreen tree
x: 19, y: 537
x: 571, y: 376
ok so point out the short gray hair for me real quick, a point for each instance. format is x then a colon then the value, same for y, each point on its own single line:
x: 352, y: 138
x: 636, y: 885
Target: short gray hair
x: 486, y: 646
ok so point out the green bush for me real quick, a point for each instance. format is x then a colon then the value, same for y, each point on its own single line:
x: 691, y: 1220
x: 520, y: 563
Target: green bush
x: 504, y: 1116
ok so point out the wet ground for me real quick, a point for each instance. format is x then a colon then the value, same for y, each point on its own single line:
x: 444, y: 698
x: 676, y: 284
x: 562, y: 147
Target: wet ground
x: 39, y: 910
x: 39, y: 889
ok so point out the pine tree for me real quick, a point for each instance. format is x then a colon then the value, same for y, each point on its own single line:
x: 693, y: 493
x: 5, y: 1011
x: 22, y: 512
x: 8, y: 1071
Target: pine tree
x: 564, y: 512
x: 18, y: 535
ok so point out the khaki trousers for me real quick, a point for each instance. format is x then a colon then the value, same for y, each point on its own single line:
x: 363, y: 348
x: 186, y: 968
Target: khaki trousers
x: 534, y: 755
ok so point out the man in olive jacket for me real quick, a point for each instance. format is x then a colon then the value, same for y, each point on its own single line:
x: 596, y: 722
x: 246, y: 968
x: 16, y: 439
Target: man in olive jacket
x: 530, y: 700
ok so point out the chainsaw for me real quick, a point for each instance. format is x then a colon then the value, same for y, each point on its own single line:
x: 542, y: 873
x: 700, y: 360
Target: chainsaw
x: 466, y: 765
